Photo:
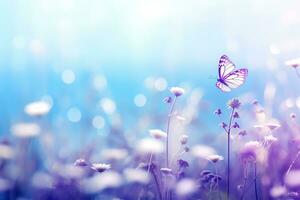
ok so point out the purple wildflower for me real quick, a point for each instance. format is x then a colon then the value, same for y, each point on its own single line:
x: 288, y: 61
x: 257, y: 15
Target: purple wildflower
x: 180, y: 175
x: 249, y: 151
x: 240, y: 187
x: 168, y: 100
x: 186, y: 149
x: 80, y: 162
x: 157, y: 134
x: 100, y: 167
x: 215, y: 158
x: 236, y: 115
x: 234, y: 103
x: 209, y: 179
x: 177, y: 91
x: 255, y: 102
x: 205, y: 172
x: 182, y: 163
x: 218, y: 111
x: 293, y: 195
x: 223, y: 125
x: 235, y: 125
x: 243, y: 133
x: 217, y: 178
x: 293, y: 115
x: 184, y: 139
x: 5, y: 142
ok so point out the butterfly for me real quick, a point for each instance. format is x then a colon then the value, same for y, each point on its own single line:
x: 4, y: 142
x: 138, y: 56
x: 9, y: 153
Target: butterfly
x: 228, y: 77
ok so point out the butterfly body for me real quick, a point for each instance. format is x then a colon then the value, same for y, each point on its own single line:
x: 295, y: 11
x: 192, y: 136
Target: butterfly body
x: 222, y: 81
x: 228, y: 77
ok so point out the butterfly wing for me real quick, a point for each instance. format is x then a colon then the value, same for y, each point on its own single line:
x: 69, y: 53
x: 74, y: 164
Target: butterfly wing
x: 223, y: 87
x: 229, y: 79
x: 236, y: 78
x: 225, y: 66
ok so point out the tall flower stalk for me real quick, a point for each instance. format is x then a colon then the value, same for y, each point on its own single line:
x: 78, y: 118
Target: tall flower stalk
x: 233, y: 105
x: 214, y: 159
x: 177, y: 91
x: 168, y: 130
x: 228, y: 154
x: 249, y: 155
x: 158, y: 135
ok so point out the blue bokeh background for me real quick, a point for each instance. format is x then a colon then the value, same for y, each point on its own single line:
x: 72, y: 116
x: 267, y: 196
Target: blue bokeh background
x: 127, y: 42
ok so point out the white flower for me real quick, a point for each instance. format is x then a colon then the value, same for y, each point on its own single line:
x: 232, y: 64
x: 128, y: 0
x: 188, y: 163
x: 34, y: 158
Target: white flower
x: 148, y: 145
x: 177, y: 91
x: 269, y: 126
x: 273, y: 125
x: 249, y: 151
x: 114, y: 154
x: 100, y: 167
x: 166, y: 170
x: 184, y: 139
x: 157, y: 134
x: 292, y: 178
x: 25, y: 130
x: 270, y: 139
x: 80, y: 162
x: 181, y: 118
x: 293, y: 115
x: 259, y: 127
x: 202, y: 151
x: 137, y: 176
x: 277, y: 191
x: 6, y: 151
x: 95, y: 184
x: 252, y: 144
x: 37, y: 108
x: 68, y: 170
x: 185, y: 187
x: 293, y: 63
x: 215, y: 158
